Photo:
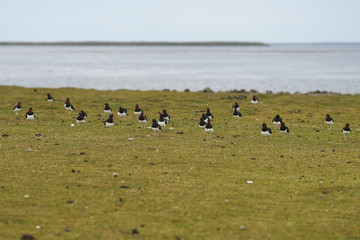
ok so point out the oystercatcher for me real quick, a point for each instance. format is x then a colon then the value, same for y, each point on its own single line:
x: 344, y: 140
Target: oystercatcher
x: 83, y: 114
x: 68, y: 106
x: 155, y: 127
x: 346, y: 130
x: 209, y: 114
x: 142, y: 118
x: 166, y: 115
x: 277, y: 121
x: 209, y: 128
x: 328, y: 120
x: 205, y: 118
x: 236, y: 107
x: 80, y: 118
x: 137, y: 110
x: 202, y: 122
x: 30, y: 115
x: 122, y: 112
x: 265, y: 131
x: 162, y: 121
x: 109, y: 123
x: 284, y: 129
x: 254, y: 100
x: 17, y: 108
x: 107, y: 108
x: 49, y: 99
x: 237, y: 114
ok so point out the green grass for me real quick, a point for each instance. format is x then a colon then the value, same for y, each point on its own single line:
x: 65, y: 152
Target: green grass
x: 178, y: 186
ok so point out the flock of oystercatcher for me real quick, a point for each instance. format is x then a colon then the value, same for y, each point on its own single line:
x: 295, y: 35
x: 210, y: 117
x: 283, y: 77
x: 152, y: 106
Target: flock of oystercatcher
x: 205, y: 120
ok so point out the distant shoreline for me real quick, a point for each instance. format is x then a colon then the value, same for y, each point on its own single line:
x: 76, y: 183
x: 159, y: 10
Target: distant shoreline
x: 96, y: 43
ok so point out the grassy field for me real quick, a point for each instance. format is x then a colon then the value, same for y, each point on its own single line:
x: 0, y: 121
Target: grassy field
x: 57, y: 181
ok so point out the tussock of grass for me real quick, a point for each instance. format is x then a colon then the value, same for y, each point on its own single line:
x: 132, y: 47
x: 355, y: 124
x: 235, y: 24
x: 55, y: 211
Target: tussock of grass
x: 175, y: 185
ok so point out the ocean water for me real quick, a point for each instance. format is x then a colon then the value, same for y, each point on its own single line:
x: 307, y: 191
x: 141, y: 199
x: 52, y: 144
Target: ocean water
x: 279, y: 67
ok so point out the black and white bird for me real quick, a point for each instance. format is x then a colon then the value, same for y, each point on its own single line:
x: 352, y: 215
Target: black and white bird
x: 80, y: 118
x: 209, y: 128
x: 209, y: 114
x: 277, y: 121
x: 265, y: 131
x: 202, y: 122
x: 162, y: 121
x: 254, y: 100
x: 346, y: 130
x: 155, y: 127
x: 328, y: 120
x: 17, y: 108
x: 83, y: 114
x: 166, y: 115
x: 109, y: 123
x: 30, y: 115
x: 68, y: 106
x: 284, y: 129
x: 122, y: 112
x: 237, y: 115
x: 142, y: 118
x: 236, y: 107
x: 49, y: 99
x: 205, y: 118
x: 107, y: 108
x: 137, y: 110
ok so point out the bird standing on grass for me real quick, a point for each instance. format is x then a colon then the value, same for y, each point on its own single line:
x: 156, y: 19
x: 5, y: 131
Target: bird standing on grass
x: 162, y: 121
x: 284, y: 129
x: 155, y: 127
x: 30, y: 115
x: 209, y: 114
x: 209, y: 128
x: 49, y: 99
x: 236, y: 107
x: 17, y: 108
x: 166, y: 115
x: 202, y: 122
x: 265, y: 131
x: 346, y: 130
x: 68, y: 106
x: 254, y: 100
x: 109, y: 123
x: 142, y: 118
x: 80, y: 118
x: 328, y: 120
x: 137, y: 110
x: 107, y: 108
x: 237, y: 115
x: 122, y: 112
x: 277, y: 121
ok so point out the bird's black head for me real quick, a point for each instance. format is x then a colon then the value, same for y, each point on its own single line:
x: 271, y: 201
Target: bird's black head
x: 154, y: 120
x: 347, y: 125
x: 106, y: 104
x: 282, y: 124
x: 111, y: 115
x: 263, y: 125
x: 327, y: 115
x: 277, y: 116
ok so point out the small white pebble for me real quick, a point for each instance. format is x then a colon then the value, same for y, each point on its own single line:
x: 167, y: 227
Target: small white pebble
x: 249, y: 182
x: 131, y: 139
x: 171, y: 128
x: 37, y: 227
x: 242, y: 227
x: 226, y: 200
x: 72, y: 125
x: 91, y: 216
x: 26, y: 196
x: 86, y: 207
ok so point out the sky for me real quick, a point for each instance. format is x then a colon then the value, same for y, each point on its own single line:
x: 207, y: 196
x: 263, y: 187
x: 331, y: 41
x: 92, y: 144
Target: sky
x: 269, y: 21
